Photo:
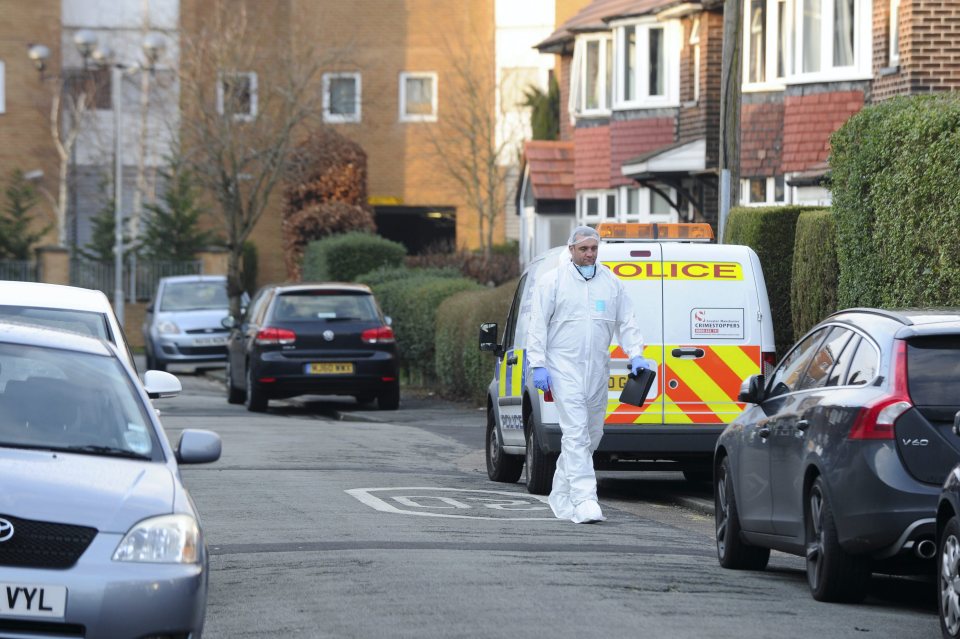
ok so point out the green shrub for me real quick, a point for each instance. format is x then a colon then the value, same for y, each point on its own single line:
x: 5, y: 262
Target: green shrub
x: 386, y: 274
x: 341, y: 258
x: 412, y: 304
x: 499, y: 268
x: 814, y: 289
x: 463, y: 371
x: 895, y: 181
x: 769, y: 231
x: 249, y: 268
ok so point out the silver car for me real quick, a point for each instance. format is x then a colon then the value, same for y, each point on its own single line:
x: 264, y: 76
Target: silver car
x: 183, y: 323
x: 98, y: 537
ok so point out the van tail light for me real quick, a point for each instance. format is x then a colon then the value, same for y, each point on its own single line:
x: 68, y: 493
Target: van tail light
x: 269, y: 336
x: 382, y: 335
x: 876, y: 419
x: 768, y: 361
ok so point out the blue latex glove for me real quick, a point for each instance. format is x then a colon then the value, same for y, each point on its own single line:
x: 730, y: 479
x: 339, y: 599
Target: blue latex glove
x: 541, y: 379
x: 638, y: 364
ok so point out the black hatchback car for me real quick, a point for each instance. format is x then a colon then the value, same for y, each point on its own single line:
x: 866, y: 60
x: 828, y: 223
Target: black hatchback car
x: 841, y: 456
x: 312, y: 339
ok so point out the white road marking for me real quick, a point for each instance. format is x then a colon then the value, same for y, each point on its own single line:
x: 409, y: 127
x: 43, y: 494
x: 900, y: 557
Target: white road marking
x: 519, y: 502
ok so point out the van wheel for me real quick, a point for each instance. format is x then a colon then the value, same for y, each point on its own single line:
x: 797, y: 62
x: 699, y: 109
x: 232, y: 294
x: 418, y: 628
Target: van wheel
x: 256, y: 400
x: 500, y: 466
x: 234, y: 395
x: 832, y: 573
x: 540, y: 465
x: 732, y: 551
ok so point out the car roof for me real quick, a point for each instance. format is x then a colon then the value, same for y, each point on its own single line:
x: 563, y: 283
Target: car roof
x: 173, y: 279
x: 53, y: 296
x: 905, y: 323
x: 346, y: 287
x: 30, y: 335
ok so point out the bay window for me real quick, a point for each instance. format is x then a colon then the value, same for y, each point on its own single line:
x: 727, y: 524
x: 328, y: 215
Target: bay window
x: 764, y: 42
x: 591, y: 83
x: 648, y: 64
x: 833, y: 39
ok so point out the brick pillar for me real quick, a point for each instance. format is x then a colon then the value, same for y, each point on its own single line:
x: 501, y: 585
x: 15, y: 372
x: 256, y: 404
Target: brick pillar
x: 214, y: 261
x: 53, y: 264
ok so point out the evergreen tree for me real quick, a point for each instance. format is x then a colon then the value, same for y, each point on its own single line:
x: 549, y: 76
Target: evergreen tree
x: 171, y: 232
x: 16, y: 238
x: 100, y: 246
x: 544, y: 111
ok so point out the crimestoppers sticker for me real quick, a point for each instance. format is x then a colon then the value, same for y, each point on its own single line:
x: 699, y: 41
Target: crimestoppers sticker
x: 716, y: 323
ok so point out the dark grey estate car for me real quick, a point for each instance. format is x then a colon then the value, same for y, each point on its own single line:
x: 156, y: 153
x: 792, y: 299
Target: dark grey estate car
x: 312, y: 339
x: 841, y: 456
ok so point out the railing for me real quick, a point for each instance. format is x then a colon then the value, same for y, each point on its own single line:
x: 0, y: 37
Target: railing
x: 140, y: 286
x: 18, y: 270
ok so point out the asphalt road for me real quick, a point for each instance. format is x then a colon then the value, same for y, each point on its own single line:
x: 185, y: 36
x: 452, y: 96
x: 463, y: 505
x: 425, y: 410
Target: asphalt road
x: 322, y: 522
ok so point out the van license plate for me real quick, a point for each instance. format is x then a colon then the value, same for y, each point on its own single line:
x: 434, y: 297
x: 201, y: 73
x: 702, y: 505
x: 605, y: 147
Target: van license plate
x: 32, y: 600
x: 616, y: 383
x: 331, y: 368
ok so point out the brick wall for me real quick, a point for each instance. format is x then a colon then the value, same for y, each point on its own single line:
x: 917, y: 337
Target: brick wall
x: 808, y: 121
x: 591, y: 161
x: 761, y: 136
x: 564, y: 64
x: 630, y: 138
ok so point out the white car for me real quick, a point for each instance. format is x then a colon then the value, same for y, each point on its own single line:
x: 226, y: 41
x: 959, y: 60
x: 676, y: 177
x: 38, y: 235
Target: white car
x: 80, y: 310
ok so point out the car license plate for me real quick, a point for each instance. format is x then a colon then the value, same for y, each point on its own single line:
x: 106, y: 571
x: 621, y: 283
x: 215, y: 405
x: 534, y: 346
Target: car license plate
x: 32, y: 600
x: 210, y: 341
x: 616, y: 383
x: 330, y: 368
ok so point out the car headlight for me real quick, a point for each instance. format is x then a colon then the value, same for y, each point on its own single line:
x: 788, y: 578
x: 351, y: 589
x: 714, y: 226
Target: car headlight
x: 169, y: 539
x: 167, y: 328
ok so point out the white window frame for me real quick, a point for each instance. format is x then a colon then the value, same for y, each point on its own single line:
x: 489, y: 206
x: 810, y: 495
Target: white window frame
x: 340, y: 118
x: 580, y: 85
x: 672, y: 42
x: 417, y: 117
x: 3, y: 87
x: 694, y: 42
x: 771, y: 81
x: 242, y: 117
x: 894, y: 34
x: 601, y: 195
x: 770, y: 191
x: 861, y: 69
x: 645, y: 199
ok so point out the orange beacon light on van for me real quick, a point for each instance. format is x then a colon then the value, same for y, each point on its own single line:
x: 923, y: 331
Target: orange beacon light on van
x: 655, y: 231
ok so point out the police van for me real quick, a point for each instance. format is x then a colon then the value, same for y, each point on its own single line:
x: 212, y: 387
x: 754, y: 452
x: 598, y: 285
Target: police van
x: 705, y: 319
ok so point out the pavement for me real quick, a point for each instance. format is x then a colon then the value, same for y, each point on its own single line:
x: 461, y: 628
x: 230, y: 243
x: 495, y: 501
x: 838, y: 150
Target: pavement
x: 464, y: 421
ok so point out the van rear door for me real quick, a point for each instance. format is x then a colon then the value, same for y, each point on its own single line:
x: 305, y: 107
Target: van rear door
x: 712, y: 331
x: 637, y: 265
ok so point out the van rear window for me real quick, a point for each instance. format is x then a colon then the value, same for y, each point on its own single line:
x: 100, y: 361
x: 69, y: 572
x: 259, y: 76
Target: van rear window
x: 933, y: 370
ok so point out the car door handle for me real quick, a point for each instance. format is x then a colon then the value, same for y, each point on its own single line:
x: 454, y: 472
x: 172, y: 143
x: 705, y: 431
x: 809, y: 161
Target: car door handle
x: 511, y: 359
x: 764, y: 432
x: 688, y: 353
x: 802, y: 425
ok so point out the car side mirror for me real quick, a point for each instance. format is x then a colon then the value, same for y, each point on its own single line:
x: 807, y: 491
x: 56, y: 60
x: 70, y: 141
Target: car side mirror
x: 198, y: 447
x: 229, y: 321
x: 161, y: 384
x: 751, y: 391
x: 388, y: 320
x: 488, y: 337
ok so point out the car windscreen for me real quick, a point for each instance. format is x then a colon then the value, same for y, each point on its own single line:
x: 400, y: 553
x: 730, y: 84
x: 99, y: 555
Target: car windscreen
x: 64, y: 319
x: 194, y: 296
x: 331, y: 307
x: 52, y: 399
x: 933, y: 370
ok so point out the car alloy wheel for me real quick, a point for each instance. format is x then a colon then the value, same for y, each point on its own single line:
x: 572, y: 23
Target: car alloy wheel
x: 722, y: 510
x: 832, y: 573
x: 950, y: 579
x: 732, y: 551
x: 815, y: 539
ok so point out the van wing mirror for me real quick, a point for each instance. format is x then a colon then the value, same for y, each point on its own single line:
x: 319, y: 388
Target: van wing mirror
x: 229, y: 321
x: 488, y: 337
x: 751, y: 391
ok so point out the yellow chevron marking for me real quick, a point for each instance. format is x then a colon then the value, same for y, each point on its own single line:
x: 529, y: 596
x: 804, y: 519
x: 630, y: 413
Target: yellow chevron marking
x: 738, y: 361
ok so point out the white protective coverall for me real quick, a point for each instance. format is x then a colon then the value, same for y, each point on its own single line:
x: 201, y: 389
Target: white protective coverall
x: 571, y: 326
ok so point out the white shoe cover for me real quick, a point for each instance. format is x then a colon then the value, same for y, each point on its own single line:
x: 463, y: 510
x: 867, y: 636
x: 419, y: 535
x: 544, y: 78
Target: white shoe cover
x: 587, y: 512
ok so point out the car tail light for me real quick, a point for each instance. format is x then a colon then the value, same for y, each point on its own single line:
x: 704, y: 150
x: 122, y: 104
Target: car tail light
x: 876, y: 419
x: 769, y: 362
x: 269, y: 336
x: 382, y: 335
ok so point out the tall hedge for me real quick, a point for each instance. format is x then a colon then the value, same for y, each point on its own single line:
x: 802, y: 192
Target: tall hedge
x: 341, y: 258
x: 385, y: 274
x: 895, y: 181
x: 412, y: 304
x: 463, y: 371
x: 814, y: 288
x: 769, y: 231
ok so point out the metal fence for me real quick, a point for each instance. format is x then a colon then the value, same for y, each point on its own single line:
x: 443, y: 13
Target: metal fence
x: 139, y: 279
x: 18, y: 270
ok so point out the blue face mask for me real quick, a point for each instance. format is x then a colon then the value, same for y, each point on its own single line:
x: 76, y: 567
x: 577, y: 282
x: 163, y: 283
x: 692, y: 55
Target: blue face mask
x: 587, y: 271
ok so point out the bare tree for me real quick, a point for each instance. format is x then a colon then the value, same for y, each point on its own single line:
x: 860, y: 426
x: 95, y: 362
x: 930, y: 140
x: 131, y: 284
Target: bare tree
x: 246, y: 99
x: 469, y: 141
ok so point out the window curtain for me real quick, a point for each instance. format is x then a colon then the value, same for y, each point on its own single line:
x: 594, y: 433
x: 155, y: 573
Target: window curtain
x: 576, y: 81
x: 843, y: 33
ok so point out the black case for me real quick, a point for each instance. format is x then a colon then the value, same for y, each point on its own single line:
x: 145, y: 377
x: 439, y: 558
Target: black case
x: 637, y: 386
